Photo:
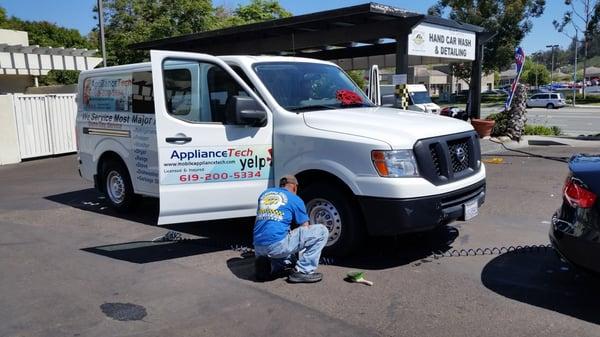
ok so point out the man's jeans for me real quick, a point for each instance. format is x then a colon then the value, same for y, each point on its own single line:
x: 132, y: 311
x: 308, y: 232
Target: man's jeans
x: 311, y: 239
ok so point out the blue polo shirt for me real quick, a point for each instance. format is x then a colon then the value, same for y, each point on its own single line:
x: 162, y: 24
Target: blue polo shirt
x: 277, y: 209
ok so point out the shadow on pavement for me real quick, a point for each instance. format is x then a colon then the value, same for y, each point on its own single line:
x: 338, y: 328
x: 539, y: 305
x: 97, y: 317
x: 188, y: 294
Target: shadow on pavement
x: 376, y: 253
x: 92, y: 201
x: 542, y: 279
x: 389, y: 252
x: 148, y: 251
x: 210, y: 236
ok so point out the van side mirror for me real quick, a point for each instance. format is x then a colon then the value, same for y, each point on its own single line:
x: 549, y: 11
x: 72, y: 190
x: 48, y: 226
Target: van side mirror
x: 243, y: 110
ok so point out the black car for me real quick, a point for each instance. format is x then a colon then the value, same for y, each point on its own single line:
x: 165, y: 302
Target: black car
x: 575, y: 229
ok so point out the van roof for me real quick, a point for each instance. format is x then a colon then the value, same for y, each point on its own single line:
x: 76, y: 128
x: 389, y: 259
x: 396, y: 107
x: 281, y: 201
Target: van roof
x: 246, y: 59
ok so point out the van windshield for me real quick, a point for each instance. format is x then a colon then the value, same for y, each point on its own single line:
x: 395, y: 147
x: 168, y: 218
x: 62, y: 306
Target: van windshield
x: 303, y: 86
x: 420, y: 97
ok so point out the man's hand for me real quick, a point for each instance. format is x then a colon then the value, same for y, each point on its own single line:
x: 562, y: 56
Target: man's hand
x: 306, y: 224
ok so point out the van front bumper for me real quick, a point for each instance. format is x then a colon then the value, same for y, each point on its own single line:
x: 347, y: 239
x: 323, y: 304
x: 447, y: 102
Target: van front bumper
x: 387, y: 216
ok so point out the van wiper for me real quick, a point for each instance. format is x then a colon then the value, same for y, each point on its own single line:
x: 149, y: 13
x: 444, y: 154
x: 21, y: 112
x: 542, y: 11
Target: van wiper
x: 311, y: 107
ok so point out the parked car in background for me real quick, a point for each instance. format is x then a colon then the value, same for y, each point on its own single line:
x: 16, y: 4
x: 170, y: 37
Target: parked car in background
x: 551, y: 100
x: 455, y: 112
x: 575, y: 228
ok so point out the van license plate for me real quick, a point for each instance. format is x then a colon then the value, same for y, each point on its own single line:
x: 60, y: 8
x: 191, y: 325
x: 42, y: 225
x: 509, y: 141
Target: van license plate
x: 471, y: 209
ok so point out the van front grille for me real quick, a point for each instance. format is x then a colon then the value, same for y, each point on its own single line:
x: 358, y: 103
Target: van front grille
x: 445, y: 159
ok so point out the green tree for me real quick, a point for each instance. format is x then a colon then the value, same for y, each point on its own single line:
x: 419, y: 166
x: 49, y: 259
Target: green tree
x: 56, y: 77
x: 509, y: 19
x: 581, y: 19
x: 258, y: 11
x: 358, y: 76
x: 535, y: 74
x: 132, y: 21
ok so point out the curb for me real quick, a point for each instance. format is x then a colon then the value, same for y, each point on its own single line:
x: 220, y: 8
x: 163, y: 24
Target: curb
x: 489, y: 145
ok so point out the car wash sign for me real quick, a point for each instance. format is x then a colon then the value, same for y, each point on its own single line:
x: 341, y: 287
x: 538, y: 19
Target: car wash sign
x: 439, y: 41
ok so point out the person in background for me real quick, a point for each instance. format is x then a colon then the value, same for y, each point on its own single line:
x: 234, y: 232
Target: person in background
x: 278, y: 209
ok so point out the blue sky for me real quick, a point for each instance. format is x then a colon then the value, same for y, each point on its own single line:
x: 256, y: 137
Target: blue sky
x: 78, y: 14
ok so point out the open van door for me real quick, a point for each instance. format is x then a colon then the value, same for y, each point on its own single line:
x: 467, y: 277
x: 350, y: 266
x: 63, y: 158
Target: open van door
x: 214, y: 138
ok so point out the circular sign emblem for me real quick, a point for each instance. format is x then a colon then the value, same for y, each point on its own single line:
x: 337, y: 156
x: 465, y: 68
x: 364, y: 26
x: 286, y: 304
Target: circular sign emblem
x: 461, y: 154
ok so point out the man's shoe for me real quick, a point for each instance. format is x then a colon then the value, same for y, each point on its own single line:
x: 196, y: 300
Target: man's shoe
x: 298, y: 277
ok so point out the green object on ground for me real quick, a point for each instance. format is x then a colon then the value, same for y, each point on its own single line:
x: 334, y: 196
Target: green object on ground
x: 358, y: 277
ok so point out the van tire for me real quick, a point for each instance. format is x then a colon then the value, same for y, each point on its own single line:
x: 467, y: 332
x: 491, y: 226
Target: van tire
x: 334, y: 208
x: 117, y: 187
x: 549, y: 106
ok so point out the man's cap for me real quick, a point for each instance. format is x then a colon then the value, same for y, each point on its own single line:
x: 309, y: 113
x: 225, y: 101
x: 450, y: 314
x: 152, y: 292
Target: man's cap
x: 288, y: 179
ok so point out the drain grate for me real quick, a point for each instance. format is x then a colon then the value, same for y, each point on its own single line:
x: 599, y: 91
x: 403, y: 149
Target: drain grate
x: 124, y: 311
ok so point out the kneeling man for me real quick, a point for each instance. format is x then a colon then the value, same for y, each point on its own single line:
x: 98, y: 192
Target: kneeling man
x: 278, y: 209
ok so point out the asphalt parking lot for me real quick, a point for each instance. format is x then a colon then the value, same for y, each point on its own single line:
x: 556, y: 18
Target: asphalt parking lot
x: 70, y: 266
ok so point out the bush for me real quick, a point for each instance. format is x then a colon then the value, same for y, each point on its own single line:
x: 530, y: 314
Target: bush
x: 542, y: 130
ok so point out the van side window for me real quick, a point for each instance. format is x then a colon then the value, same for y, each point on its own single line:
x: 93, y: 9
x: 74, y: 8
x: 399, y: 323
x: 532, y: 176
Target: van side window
x: 142, y: 95
x: 107, y: 93
x: 199, y: 92
x: 178, y: 93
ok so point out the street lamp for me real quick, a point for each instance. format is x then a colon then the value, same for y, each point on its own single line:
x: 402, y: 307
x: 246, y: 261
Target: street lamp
x: 552, y: 72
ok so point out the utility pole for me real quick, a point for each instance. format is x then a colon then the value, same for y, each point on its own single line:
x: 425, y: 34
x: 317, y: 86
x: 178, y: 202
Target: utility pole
x: 101, y: 23
x: 575, y: 70
x: 552, y: 71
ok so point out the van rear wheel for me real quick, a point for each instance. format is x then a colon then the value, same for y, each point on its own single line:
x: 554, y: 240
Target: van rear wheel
x: 334, y: 209
x: 117, y: 186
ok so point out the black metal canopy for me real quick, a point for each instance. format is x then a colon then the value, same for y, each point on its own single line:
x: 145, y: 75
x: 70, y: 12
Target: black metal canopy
x: 363, y: 30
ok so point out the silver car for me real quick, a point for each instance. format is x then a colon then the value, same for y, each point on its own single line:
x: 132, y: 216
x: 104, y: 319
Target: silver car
x: 551, y: 100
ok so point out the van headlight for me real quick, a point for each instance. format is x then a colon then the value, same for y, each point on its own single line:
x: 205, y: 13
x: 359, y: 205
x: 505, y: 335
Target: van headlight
x: 395, y: 163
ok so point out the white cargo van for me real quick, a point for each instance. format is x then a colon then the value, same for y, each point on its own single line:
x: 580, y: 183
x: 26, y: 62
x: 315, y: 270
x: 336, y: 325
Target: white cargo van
x: 206, y: 135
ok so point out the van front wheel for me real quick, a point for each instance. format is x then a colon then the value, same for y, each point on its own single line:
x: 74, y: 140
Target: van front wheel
x: 331, y: 207
x: 117, y: 186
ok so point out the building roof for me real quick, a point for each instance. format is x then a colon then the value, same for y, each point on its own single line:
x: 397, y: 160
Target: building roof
x: 590, y: 71
x: 358, y: 31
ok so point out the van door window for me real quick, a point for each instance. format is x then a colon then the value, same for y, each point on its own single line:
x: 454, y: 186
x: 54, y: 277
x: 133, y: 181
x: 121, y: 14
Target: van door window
x: 221, y: 87
x: 198, y: 92
x: 142, y: 95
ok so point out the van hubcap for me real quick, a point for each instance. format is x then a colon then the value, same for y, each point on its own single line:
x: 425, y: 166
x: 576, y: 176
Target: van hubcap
x: 115, y: 187
x: 321, y: 211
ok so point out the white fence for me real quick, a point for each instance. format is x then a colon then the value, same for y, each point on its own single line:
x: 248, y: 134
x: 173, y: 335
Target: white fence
x: 45, y: 124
